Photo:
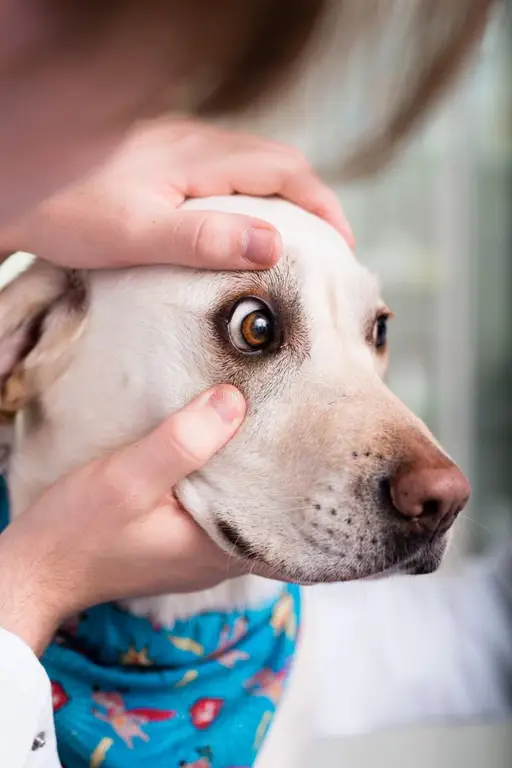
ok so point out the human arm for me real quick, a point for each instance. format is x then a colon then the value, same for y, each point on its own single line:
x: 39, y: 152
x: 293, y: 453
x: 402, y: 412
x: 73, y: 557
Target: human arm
x: 108, y: 530
x: 27, y: 731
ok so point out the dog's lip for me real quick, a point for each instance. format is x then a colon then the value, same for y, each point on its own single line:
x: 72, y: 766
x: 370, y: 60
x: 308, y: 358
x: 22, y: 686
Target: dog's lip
x: 179, y: 504
x: 181, y: 507
x: 262, y: 568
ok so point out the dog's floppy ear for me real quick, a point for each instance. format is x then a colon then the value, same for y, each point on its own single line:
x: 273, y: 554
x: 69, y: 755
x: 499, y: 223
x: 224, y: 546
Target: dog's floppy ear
x: 42, y: 313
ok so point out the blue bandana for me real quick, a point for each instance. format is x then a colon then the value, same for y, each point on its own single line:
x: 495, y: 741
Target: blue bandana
x: 198, y: 694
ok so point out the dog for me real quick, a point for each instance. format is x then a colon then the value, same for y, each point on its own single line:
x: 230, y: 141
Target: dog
x: 331, y: 478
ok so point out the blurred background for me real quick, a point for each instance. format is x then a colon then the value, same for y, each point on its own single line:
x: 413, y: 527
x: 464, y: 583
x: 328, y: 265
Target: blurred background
x: 436, y: 228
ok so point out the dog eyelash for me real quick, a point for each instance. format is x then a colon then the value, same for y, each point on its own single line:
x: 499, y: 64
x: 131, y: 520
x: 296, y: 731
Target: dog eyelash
x: 383, y: 314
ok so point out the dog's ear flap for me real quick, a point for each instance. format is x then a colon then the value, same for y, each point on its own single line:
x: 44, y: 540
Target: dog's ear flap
x: 42, y: 314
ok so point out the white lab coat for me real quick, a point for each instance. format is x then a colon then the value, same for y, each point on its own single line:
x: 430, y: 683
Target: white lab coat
x: 27, y: 733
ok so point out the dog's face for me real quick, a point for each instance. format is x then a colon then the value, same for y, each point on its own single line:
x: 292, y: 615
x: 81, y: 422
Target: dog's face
x: 330, y: 477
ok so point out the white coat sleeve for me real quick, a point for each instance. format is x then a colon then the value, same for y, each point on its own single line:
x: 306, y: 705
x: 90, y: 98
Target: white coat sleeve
x: 27, y: 733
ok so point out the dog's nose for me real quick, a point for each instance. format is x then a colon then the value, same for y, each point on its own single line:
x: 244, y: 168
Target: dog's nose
x: 429, y: 498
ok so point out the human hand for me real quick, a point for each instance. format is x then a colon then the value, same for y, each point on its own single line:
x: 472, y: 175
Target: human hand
x: 129, y: 212
x: 113, y: 529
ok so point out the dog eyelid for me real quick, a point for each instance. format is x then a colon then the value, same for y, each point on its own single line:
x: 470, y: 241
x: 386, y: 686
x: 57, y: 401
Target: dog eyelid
x: 385, y: 313
x: 245, y: 308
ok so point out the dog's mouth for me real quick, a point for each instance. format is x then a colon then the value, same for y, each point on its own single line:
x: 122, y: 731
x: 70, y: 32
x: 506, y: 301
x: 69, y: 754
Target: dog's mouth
x: 424, y: 560
x: 404, y: 557
x: 241, y: 546
x: 229, y: 537
x: 181, y: 507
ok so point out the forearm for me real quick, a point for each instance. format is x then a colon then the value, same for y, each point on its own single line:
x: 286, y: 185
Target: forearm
x: 32, y: 233
x: 27, y: 606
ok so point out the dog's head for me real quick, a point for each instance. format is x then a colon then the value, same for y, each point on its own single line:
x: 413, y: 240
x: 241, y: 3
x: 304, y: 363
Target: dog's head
x: 329, y: 478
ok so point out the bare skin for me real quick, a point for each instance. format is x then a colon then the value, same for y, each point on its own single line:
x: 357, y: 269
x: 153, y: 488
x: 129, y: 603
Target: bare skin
x: 128, y: 212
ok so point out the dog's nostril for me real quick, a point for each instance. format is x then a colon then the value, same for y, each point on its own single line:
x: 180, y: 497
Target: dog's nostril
x: 431, y: 508
x: 445, y: 523
x: 429, y: 497
x: 385, y: 491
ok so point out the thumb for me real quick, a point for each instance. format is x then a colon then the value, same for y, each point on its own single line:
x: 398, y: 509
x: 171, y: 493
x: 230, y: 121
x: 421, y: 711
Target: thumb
x: 145, y: 471
x: 209, y: 240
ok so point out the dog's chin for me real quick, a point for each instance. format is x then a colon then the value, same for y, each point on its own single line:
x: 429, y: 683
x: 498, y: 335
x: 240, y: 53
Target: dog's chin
x: 426, y: 562
x: 427, y: 559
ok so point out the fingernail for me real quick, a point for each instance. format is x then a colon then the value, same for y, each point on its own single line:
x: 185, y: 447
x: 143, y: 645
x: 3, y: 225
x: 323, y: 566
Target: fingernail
x: 261, y: 246
x: 228, y: 403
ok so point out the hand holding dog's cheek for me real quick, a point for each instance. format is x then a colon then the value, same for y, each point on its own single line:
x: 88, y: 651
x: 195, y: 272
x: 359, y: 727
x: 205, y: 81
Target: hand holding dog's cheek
x: 112, y: 529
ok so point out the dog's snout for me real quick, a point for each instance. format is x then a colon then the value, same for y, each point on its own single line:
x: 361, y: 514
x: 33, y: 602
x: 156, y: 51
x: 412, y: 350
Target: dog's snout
x: 429, y: 498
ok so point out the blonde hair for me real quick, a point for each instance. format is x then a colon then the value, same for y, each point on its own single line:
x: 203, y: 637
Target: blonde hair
x: 240, y: 50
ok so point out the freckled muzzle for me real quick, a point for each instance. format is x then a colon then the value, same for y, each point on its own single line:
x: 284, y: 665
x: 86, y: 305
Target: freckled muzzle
x: 380, y: 512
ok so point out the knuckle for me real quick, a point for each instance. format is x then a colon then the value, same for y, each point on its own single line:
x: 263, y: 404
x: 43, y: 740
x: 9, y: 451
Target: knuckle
x: 121, y: 488
x: 212, y: 240
x: 299, y: 157
x: 179, y: 444
x: 294, y: 157
x: 191, y: 438
x: 294, y: 166
x: 204, y: 238
x: 114, y: 480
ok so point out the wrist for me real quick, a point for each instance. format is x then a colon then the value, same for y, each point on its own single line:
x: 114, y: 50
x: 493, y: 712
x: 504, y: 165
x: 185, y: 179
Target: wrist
x: 12, y: 239
x: 29, y: 608
x: 33, y: 232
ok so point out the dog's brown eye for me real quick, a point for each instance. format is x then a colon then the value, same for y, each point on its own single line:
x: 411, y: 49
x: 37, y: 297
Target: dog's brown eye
x: 252, y: 326
x: 380, y: 331
x: 256, y: 329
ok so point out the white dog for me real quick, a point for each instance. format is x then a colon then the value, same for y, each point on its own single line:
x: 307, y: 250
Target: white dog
x: 331, y: 478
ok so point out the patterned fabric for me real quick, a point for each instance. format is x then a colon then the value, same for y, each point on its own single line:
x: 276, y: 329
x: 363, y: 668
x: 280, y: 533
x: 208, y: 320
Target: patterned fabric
x: 4, y: 505
x: 198, y: 694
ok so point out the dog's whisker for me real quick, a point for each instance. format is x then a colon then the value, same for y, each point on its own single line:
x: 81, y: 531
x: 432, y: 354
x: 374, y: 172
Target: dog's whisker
x: 467, y: 518
x: 231, y: 557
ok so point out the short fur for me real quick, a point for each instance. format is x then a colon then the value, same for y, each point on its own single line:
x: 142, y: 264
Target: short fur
x: 302, y: 487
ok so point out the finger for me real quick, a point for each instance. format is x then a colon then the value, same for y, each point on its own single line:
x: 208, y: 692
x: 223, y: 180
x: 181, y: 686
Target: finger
x: 292, y: 179
x: 141, y: 474
x: 208, y: 240
x: 308, y: 191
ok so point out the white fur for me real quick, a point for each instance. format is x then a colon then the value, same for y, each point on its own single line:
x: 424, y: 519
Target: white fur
x: 300, y: 480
